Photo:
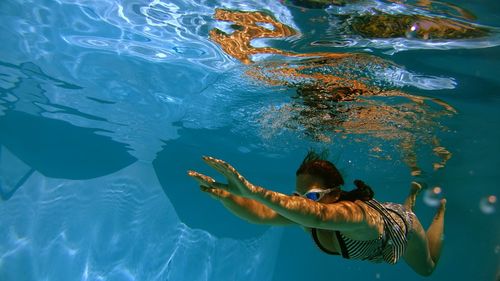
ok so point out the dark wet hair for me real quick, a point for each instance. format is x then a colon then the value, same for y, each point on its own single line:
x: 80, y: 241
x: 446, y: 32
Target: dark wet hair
x: 316, y: 164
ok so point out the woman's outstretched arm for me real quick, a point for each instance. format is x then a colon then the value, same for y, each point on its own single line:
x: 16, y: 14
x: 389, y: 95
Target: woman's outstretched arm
x: 244, y: 208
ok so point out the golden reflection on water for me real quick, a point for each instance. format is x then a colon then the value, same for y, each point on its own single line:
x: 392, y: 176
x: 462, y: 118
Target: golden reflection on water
x: 335, y: 94
x: 248, y: 26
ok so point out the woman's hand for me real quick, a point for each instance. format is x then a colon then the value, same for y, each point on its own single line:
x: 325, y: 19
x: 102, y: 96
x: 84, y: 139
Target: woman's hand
x: 236, y: 183
x: 205, y: 185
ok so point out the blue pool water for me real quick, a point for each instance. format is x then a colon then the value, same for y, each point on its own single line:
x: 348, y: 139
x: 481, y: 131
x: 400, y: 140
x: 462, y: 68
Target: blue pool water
x: 104, y: 106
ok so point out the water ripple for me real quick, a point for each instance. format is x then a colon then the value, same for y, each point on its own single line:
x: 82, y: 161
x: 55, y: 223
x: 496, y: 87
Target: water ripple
x: 168, y: 26
x: 133, y: 48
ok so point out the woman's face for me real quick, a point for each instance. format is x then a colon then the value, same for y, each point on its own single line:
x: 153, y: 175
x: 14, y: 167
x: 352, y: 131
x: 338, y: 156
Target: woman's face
x: 306, y: 182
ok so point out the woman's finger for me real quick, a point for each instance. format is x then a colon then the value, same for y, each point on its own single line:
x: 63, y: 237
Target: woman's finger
x: 222, y: 167
x: 215, y: 192
x: 207, y: 181
x: 201, y: 178
x: 215, y: 163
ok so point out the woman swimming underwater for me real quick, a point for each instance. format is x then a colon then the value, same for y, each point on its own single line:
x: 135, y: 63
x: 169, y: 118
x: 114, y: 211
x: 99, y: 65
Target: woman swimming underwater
x: 351, y: 224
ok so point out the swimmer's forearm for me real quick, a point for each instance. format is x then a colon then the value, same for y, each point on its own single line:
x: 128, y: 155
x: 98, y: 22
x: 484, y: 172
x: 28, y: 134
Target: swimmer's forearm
x: 308, y: 213
x: 252, y: 211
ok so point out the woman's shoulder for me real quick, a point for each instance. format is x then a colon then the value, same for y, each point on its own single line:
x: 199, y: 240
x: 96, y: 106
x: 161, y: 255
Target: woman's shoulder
x: 373, y: 218
x: 358, y: 206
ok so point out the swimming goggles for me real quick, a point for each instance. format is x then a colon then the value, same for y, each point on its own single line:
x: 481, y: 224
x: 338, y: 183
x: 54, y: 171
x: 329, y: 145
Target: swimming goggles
x: 315, y: 194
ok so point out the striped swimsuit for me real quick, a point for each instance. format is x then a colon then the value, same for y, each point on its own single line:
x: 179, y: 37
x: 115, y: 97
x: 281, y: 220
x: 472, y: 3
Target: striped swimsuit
x: 388, y: 247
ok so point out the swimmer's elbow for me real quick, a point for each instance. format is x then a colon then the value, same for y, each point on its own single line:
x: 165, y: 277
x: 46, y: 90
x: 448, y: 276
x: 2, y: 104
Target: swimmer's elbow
x: 426, y: 273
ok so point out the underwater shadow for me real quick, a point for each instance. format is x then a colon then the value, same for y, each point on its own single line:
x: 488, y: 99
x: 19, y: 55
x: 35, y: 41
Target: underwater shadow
x: 59, y: 149
x: 55, y: 148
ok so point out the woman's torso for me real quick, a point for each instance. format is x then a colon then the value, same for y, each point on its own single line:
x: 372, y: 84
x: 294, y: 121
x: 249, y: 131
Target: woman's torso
x: 365, y: 244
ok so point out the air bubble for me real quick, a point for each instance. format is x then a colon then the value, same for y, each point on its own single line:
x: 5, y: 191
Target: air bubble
x: 488, y: 204
x: 433, y: 196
